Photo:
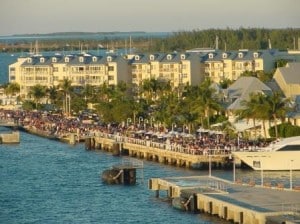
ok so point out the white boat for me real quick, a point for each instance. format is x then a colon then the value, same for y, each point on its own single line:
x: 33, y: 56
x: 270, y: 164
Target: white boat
x: 282, y: 154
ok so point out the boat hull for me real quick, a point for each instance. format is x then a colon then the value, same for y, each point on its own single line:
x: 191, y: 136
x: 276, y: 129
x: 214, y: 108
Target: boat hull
x: 276, y: 160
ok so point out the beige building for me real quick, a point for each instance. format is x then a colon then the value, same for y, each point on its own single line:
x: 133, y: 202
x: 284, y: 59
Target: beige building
x: 180, y: 69
x: 220, y: 65
x: 288, y: 79
x: 177, y: 68
x: 81, y: 69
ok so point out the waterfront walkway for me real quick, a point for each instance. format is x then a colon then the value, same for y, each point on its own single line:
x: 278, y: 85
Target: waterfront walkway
x: 240, y: 203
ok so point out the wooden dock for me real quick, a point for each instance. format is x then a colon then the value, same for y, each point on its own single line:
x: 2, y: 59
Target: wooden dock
x: 157, y: 152
x: 239, y: 203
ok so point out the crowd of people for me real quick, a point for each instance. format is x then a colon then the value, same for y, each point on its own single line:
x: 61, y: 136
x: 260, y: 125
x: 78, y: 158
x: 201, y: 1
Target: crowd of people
x: 58, y: 125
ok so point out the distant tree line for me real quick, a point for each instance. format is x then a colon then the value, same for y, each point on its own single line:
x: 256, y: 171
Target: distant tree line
x: 230, y: 39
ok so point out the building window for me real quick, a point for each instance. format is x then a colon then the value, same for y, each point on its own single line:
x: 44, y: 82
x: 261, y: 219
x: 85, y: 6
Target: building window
x: 55, y: 69
x: 151, y: 57
x: 108, y: 58
x: 54, y: 59
x: 240, y: 55
x: 67, y: 59
x: 182, y: 57
x: 111, y: 68
x: 42, y: 60
x: 224, y: 55
x: 255, y: 55
x: 137, y: 57
x: 169, y: 57
x: 210, y: 55
x: 29, y: 60
x: 94, y: 59
x: 80, y: 59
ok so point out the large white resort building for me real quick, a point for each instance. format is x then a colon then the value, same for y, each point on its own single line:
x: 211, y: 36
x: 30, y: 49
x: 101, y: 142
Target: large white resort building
x: 188, y: 68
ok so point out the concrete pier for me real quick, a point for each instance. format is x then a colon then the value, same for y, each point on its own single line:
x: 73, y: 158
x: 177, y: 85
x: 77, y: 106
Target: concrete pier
x: 148, y: 150
x: 10, y: 138
x: 230, y: 201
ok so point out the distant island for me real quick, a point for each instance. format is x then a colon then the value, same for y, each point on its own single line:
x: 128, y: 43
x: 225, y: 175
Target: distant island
x: 78, y: 33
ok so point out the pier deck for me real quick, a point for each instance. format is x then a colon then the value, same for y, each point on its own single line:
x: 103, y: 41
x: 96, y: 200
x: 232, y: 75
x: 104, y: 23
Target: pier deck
x: 240, y: 203
x: 148, y: 150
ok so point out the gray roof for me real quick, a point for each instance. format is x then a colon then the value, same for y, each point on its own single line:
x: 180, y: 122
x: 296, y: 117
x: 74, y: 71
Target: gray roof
x: 291, y: 73
x: 241, y: 89
x: 174, y: 57
x: 73, y: 59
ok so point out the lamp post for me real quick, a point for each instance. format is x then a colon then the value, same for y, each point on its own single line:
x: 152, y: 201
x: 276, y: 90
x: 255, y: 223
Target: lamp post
x: 140, y: 120
x: 261, y: 174
x: 151, y: 120
x: 67, y: 105
x: 291, y: 175
x: 173, y: 125
x: 233, y: 160
x: 128, y: 121
x: 209, y: 163
x: 145, y: 123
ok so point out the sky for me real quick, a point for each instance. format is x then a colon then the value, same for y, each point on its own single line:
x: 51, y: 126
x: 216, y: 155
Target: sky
x: 48, y: 16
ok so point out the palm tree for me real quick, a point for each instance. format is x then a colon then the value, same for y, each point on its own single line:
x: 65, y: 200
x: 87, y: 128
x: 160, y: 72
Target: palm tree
x: 37, y: 92
x: 52, y: 93
x: 66, y: 87
x: 207, y: 101
x: 251, y: 109
x: 277, y: 108
x: 11, y: 89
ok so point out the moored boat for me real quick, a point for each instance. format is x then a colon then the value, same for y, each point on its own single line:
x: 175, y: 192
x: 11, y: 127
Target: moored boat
x: 283, y: 154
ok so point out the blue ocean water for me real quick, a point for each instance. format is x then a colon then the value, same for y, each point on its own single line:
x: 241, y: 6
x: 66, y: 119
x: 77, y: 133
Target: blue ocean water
x: 5, y: 60
x: 44, y: 181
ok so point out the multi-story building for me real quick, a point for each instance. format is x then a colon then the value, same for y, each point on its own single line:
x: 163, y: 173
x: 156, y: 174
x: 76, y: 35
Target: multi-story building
x: 220, y: 65
x: 176, y: 68
x: 82, y: 69
x: 288, y: 79
x: 179, y: 69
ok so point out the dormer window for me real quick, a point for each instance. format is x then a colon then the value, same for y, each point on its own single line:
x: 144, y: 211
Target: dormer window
x: 81, y: 59
x: 54, y: 59
x: 182, y: 57
x: 151, y: 57
x: 109, y: 58
x: 29, y: 60
x: 42, y: 60
x: 210, y: 55
x: 255, y: 55
x: 240, y: 55
x: 67, y: 59
x: 224, y: 55
x: 169, y: 57
x: 94, y: 59
x: 137, y: 57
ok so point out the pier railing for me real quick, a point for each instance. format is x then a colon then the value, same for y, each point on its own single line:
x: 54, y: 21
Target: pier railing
x: 162, y: 146
x: 8, y: 122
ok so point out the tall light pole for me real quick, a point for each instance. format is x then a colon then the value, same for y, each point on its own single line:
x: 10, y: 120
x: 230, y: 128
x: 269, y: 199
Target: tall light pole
x: 128, y: 121
x: 291, y: 175
x: 145, y: 123
x: 173, y: 125
x: 140, y: 120
x: 209, y: 164
x: 261, y: 174
x: 233, y: 169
